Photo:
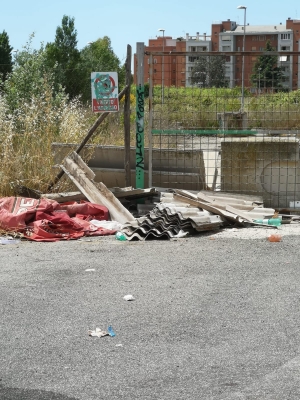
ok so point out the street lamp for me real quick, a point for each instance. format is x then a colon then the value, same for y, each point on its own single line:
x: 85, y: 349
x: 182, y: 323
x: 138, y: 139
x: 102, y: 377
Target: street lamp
x: 243, y: 59
x: 259, y: 69
x: 163, y: 67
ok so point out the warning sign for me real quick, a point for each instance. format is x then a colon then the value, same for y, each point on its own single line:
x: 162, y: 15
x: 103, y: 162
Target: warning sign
x: 105, y: 91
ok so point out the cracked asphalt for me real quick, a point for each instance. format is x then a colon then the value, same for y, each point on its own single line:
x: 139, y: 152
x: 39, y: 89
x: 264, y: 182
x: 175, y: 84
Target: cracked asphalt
x: 215, y: 316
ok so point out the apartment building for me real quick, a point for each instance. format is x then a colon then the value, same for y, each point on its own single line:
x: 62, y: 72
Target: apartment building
x: 225, y: 36
x: 228, y: 36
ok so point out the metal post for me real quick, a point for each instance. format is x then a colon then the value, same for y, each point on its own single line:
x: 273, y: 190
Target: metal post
x: 243, y: 58
x: 127, y: 119
x: 163, y: 68
x: 140, y: 104
x: 150, y: 120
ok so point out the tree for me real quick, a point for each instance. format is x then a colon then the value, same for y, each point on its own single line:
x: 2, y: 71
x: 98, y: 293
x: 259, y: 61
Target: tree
x: 5, y: 56
x: 63, y: 56
x: 98, y: 56
x: 209, y: 71
x: 266, y: 73
x: 30, y: 78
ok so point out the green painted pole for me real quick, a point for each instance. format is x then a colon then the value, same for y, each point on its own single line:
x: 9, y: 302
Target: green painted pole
x: 140, y: 132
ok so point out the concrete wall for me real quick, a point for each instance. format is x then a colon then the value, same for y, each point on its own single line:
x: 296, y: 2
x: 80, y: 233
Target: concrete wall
x: 262, y: 165
x: 182, y: 169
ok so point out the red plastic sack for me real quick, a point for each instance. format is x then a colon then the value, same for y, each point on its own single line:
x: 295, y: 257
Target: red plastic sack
x: 47, y: 220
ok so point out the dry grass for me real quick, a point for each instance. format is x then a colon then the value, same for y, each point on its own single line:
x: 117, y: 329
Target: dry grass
x: 26, y: 137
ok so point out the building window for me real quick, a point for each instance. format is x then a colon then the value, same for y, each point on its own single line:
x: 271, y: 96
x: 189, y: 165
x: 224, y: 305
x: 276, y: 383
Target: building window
x: 285, y: 36
x: 253, y: 48
x: 285, y: 48
x: 261, y: 49
x: 155, y: 60
x: 154, y: 71
x: 262, y: 38
x: 193, y: 59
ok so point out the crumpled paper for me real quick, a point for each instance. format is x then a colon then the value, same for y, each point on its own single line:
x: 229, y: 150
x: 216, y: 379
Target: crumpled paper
x: 98, y: 333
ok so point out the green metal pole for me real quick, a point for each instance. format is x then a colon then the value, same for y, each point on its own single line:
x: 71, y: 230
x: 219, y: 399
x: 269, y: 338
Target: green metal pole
x: 140, y: 106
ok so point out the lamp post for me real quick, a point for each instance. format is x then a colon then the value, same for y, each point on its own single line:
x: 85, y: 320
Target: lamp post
x: 259, y: 69
x: 162, y: 67
x: 243, y: 59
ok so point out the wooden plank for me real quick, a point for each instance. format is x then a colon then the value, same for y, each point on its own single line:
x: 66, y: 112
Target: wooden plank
x: 99, y: 194
x: 135, y: 193
x: 248, y: 197
x: 120, y: 193
x: 64, y: 197
x: 206, y: 206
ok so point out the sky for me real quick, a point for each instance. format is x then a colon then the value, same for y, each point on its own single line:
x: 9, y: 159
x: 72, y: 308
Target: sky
x: 131, y: 21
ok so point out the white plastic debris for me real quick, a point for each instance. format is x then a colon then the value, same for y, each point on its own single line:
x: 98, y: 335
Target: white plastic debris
x: 181, y: 234
x: 97, y: 333
x: 90, y: 270
x: 128, y: 297
x: 112, y: 225
x: 8, y: 240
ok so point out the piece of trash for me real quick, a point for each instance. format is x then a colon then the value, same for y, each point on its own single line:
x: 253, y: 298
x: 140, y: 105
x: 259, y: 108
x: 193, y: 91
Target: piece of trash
x: 119, y: 345
x: 8, y: 240
x: 274, y: 238
x: 90, y: 270
x: 128, y: 297
x: 271, y: 221
x: 97, y: 333
x: 112, y: 225
x: 120, y: 236
x: 181, y: 234
x: 110, y: 331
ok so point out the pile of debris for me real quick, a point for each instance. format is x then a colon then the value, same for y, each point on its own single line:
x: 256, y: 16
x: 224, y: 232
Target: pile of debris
x: 170, y: 221
x: 180, y: 213
x: 170, y: 214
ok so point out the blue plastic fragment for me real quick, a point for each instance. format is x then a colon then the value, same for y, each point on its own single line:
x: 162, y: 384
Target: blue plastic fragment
x: 110, y: 331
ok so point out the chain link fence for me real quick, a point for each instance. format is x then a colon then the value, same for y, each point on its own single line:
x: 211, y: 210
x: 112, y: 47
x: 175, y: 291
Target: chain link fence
x: 226, y: 123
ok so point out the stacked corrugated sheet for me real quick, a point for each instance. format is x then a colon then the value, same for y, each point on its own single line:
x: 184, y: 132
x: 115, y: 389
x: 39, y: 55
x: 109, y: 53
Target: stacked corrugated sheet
x: 169, y: 220
x: 181, y: 213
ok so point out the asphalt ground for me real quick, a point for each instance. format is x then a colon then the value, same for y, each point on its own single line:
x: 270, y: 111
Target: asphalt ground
x: 215, y: 316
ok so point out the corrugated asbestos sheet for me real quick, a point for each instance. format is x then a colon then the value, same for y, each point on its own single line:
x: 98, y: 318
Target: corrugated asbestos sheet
x: 181, y: 213
x: 171, y: 220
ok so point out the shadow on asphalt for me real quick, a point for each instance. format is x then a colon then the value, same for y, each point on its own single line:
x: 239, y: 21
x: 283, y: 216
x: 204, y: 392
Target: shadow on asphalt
x: 30, y: 394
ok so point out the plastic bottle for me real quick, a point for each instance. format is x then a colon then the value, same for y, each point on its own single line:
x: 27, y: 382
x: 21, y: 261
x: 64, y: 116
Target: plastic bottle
x: 120, y: 236
x: 272, y: 221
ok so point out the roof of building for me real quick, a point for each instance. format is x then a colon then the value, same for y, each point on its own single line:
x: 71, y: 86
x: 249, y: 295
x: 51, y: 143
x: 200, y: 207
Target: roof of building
x: 261, y: 29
